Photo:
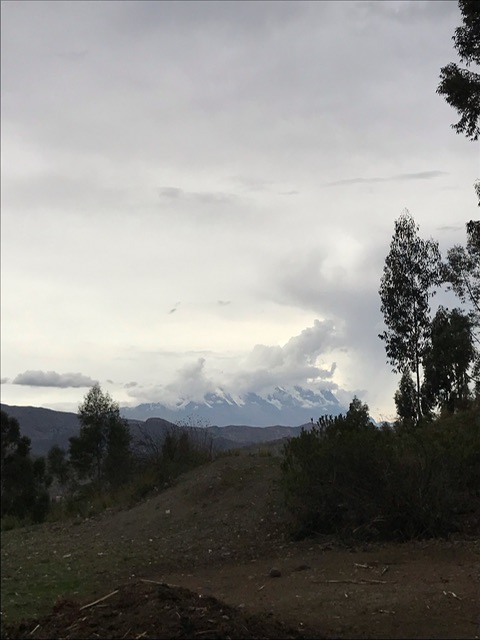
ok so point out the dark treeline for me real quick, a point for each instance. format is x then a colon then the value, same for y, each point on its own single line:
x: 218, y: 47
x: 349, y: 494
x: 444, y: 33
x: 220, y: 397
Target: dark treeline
x: 104, y: 466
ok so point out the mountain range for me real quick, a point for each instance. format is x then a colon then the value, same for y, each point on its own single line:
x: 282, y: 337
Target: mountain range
x: 280, y: 415
x: 287, y: 407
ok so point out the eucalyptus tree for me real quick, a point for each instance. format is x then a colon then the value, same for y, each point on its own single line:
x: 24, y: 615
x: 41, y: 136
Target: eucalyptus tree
x: 412, y: 269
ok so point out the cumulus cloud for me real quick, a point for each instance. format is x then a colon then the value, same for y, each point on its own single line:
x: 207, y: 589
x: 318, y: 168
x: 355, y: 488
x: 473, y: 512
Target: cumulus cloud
x: 260, y: 371
x: 53, y: 379
x: 4, y: 380
x: 294, y: 363
x: 191, y: 380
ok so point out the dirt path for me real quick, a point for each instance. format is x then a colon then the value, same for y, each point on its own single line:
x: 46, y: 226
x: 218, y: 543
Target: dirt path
x: 398, y: 591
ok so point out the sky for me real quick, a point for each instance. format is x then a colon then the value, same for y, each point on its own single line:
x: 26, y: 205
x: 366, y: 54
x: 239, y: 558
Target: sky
x: 202, y: 194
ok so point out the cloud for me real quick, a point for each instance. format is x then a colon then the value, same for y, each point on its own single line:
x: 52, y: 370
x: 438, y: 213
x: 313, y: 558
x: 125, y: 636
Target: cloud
x: 171, y: 192
x: 192, y: 381
x: 4, y: 380
x: 178, y: 178
x: 72, y: 55
x: 260, y: 370
x: 453, y: 227
x: 53, y: 379
x: 201, y: 197
x: 224, y: 303
x: 401, y: 177
x: 249, y: 183
x: 130, y: 385
x: 294, y: 363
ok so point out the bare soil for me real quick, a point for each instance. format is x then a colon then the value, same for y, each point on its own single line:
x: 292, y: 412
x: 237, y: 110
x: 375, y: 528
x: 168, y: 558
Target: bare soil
x: 196, y: 561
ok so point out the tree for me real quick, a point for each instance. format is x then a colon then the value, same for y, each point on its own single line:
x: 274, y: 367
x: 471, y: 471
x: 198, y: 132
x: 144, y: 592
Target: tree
x: 411, y: 271
x: 448, y: 359
x: 461, y: 87
x: 357, y: 416
x: 101, y: 452
x: 24, y: 482
x: 462, y: 269
x: 406, y: 400
x: 58, y: 466
x: 462, y: 274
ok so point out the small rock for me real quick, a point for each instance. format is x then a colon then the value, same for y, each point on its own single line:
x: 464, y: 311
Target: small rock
x: 275, y: 573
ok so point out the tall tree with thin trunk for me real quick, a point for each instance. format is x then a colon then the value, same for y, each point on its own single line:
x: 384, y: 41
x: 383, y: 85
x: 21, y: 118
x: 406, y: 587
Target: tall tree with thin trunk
x: 411, y: 271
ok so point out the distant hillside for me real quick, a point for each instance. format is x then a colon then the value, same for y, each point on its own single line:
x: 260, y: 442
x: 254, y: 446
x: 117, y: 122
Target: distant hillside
x: 46, y: 427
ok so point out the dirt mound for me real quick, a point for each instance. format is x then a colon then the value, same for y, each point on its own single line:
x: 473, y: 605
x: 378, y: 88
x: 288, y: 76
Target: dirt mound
x: 147, y: 609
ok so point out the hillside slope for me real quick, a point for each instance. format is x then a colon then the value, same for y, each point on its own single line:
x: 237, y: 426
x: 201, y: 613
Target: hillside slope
x: 218, y: 532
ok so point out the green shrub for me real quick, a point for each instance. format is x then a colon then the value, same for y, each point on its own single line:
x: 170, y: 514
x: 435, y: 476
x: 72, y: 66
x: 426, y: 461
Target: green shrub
x: 349, y: 478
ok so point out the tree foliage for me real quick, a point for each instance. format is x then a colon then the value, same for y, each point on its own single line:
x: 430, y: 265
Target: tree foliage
x: 461, y: 272
x: 411, y: 271
x: 362, y: 482
x: 164, y: 456
x: 24, y: 481
x: 448, y: 359
x: 461, y: 87
x: 101, y: 452
x: 58, y: 465
x: 462, y: 269
x: 406, y: 400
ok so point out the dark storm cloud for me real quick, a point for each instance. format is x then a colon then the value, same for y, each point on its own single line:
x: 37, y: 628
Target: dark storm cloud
x: 53, y: 379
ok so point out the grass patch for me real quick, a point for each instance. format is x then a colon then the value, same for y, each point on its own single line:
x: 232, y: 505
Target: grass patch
x: 42, y: 563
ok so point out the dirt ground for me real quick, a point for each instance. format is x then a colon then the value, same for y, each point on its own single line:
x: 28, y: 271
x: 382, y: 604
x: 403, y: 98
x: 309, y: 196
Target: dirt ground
x: 146, y: 610
x: 396, y: 591
x: 196, y: 561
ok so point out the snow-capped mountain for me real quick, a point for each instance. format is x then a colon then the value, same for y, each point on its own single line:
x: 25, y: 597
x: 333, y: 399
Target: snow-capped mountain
x: 287, y: 407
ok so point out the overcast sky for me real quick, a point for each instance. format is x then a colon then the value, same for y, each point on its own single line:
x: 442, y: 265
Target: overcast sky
x: 203, y: 194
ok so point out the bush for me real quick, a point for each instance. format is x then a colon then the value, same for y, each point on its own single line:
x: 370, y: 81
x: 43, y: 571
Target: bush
x: 162, y: 458
x: 349, y: 478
